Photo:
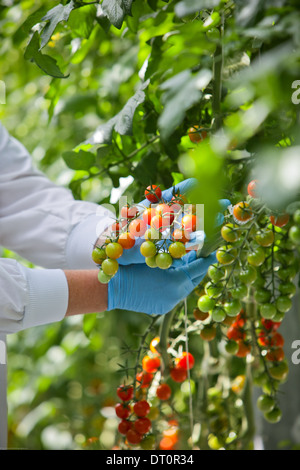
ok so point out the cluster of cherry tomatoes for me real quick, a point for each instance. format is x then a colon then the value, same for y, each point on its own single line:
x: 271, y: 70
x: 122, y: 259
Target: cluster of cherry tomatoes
x: 143, y: 422
x: 249, y: 290
x: 165, y: 227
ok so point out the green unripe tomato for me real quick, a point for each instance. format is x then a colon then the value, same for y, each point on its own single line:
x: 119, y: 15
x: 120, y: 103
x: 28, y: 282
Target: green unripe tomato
x: 273, y: 416
x: 232, y: 347
x: 177, y: 250
x: 148, y: 442
x: 248, y: 275
x: 283, y: 304
x: 285, y: 257
x: 151, y: 261
x: 233, y: 307
x: 213, y: 290
x: 296, y: 217
x: 265, y: 403
x: 226, y: 254
x: 152, y: 234
x: 98, y: 255
x: 239, y: 292
x: 229, y: 233
x: 279, y: 371
x: 287, y: 288
x: 114, y: 250
x: 164, y: 260
x: 148, y: 249
x: 205, y: 303
x: 256, y: 257
x: 278, y: 317
x: 216, y: 272
x: 103, y: 278
x: 110, y: 266
x: 268, y: 311
x: 294, y: 234
x: 218, y: 315
x: 265, y: 238
x: 262, y: 295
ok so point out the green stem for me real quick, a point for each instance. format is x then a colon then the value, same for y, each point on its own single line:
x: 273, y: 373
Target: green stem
x: 217, y: 86
x: 163, y: 341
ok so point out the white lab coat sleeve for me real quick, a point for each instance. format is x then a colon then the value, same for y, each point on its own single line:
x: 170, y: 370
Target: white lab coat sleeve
x: 30, y: 297
x: 45, y: 225
x: 40, y: 220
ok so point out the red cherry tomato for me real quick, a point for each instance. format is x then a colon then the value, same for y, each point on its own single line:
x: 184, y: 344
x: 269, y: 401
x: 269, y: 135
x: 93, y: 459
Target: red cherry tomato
x: 142, y: 425
x: 153, y: 193
x: 122, y: 410
x: 178, y: 374
x: 125, y: 392
x: 163, y: 392
x: 148, y: 214
x: 124, y: 426
x: 280, y: 220
x: 129, y: 212
x: 150, y: 364
x: 185, y: 361
x: 252, y: 188
x: 141, y: 408
x: 144, y: 379
x: 133, y: 437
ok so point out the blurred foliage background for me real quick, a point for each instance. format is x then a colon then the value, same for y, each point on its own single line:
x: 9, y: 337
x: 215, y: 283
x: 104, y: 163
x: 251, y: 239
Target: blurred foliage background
x: 133, y: 84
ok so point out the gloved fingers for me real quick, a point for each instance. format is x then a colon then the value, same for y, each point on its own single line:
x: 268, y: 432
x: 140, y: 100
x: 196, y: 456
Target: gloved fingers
x: 181, y: 188
x: 198, y: 267
x: 223, y: 203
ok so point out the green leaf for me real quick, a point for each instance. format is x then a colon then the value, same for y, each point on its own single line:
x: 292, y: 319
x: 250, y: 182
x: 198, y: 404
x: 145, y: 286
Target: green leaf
x: 146, y: 170
x: 116, y: 10
x: 81, y: 21
x: 22, y: 32
x: 122, y: 122
x: 187, y: 7
x: 55, y: 16
x: 181, y: 92
x: 103, y: 19
x: 79, y: 160
x: 89, y: 323
x: 43, y: 61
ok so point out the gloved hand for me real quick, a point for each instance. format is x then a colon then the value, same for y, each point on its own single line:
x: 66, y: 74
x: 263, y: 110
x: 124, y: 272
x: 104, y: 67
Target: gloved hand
x: 154, y: 291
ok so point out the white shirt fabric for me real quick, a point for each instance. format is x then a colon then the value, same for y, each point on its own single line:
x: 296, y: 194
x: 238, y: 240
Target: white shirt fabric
x: 45, y: 225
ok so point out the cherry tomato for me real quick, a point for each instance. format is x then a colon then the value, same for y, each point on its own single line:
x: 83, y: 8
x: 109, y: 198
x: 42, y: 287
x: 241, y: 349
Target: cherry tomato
x: 126, y: 240
x: 208, y: 333
x: 98, y: 255
x: 265, y: 238
x: 218, y: 315
x: 181, y: 235
x: 125, y: 392
x: 158, y: 222
x: 141, y: 408
x: 185, y: 361
x: 256, y: 257
x: 165, y: 211
x: 232, y: 347
x: 275, y: 355
x: 152, y: 234
x: 148, y: 442
x: 244, y: 349
x: 124, y: 426
x: 178, y: 374
x: 279, y: 371
x: 133, y: 437
x: 137, y: 228
x: 163, y: 392
x: 155, y: 341
x: 280, y: 220
x: 189, y: 222
x: 198, y: 315
x: 114, y: 250
x: 103, y: 278
x: 116, y: 227
x: 166, y: 444
x: 268, y: 311
x: 177, y: 250
x: 226, y: 254
x: 229, y: 233
x: 265, y: 403
x: 151, y: 261
x: 233, y: 307
x: 196, y: 135
x: 235, y: 334
x: 122, y: 410
x: 205, y: 303
x: 273, y: 416
x: 252, y: 188
x: 128, y: 212
x: 142, y: 425
x: 153, y: 193
x: 144, y: 379
x: 242, y: 212
x: 148, y: 249
x: 148, y: 214
x: 150, y: 364
x: 164, y: 260
x: 172, y: 433
x: 283, y: 303
x: 110, y: 267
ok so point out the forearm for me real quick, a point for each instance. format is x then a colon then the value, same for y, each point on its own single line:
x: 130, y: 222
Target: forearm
x: 86, y: 294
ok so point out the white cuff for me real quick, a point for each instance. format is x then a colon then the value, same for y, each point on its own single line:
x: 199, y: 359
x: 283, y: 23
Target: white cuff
x: 48, y: 296
x: 83, y: 238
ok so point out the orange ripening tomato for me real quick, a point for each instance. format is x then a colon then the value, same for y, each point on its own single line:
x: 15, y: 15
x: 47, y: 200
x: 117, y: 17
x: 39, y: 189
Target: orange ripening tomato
x: 242, y: 212
x: 153, y: 345
x: 150, y: 364
x: 280, y: 220
x: 180, y: 235
x: 166, y: 444
x: 244, y: 349
x: 196, y: 135
x: 189, y: 222
x: 129, y: 212
x: 148, y: 214
x: 126, y: 240
x: 137, y: 228
x: 144, y: 379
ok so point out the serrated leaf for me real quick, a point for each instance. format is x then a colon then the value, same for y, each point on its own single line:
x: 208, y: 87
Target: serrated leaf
x: 116, y: 10
x: 122, y: 122
x: 79, y: 160
x: 181, y: 92
x: 55, y: 16
x: 44, y: 62
x: 187, y: 7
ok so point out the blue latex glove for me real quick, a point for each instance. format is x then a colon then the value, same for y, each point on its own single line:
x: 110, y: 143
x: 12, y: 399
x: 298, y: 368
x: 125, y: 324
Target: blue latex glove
x: 156, y: 291
x: 133, y: 256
